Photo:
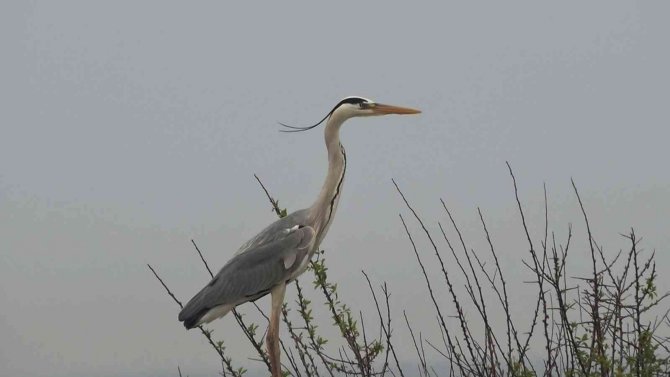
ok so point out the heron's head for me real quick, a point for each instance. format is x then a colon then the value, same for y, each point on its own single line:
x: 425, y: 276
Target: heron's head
x: 353, y: 106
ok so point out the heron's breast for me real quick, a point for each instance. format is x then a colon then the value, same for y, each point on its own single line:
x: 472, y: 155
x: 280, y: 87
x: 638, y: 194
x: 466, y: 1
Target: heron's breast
x: 304, y: 263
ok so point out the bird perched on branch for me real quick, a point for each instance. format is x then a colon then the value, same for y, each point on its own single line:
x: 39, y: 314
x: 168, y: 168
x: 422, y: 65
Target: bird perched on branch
x: 282, y: 251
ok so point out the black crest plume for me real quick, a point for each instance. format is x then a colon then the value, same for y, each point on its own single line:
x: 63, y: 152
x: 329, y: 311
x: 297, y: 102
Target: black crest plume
x: 351, y: 100
x: 300, y: 129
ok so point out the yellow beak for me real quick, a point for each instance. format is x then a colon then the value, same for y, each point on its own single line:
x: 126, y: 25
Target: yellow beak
x: 380, y: 108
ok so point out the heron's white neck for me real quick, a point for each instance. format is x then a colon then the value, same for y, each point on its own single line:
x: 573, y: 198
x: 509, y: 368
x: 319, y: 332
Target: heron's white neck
x: 323, y: 210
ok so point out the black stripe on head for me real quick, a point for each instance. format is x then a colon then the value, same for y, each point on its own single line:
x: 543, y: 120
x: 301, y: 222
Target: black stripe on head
x: 348, y: 100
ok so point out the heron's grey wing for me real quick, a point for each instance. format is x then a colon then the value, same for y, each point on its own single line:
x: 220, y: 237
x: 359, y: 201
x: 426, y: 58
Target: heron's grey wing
x: 275, y: 230
x: 252, y: 274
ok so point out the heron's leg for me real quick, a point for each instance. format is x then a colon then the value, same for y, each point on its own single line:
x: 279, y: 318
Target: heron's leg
x: 272, y: 338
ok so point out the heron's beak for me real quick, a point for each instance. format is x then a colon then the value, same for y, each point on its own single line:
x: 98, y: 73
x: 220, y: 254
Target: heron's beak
x: 381, y: 109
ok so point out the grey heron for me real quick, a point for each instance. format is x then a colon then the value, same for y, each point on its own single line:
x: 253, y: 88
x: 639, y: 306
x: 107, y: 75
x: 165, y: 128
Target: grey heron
x: 282, y: 251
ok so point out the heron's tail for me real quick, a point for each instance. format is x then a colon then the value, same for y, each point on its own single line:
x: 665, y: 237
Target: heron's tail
x: 202, y: 309
x: 193, y: 320
x: 194, y: 311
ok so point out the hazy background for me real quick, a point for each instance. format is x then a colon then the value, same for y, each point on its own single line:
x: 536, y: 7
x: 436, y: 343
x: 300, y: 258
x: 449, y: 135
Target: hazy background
x: 128, y: 128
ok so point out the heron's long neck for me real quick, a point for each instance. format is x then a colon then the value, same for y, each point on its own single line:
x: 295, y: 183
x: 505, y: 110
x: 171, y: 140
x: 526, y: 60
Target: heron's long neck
x: 324, y: 208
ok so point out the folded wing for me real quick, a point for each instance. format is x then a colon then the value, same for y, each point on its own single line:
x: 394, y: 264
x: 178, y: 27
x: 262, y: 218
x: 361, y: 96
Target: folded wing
x: 250, y: 275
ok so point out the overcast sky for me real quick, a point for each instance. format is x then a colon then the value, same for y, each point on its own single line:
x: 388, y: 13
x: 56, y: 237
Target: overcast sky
x: 129, y: 128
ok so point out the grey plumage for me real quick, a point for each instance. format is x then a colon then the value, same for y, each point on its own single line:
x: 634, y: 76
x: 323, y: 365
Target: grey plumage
x: 273, y: 256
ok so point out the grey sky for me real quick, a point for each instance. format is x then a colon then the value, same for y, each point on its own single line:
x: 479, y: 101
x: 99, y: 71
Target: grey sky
x: 129, y: 128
